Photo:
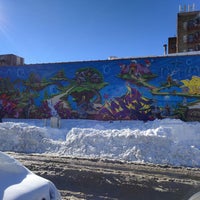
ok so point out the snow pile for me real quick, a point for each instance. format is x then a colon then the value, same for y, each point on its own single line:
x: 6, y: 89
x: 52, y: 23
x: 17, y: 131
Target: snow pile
x: 21, y: 137
x: 161, y: 141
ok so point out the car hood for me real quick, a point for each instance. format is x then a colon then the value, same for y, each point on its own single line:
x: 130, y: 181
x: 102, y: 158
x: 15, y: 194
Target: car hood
x: 19, y: 183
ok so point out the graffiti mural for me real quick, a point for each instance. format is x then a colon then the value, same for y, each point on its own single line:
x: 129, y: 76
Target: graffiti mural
x: 119, y: 89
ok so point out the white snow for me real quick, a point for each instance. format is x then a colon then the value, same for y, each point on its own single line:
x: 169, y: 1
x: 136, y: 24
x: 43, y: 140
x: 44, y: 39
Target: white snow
x: 167, y: 141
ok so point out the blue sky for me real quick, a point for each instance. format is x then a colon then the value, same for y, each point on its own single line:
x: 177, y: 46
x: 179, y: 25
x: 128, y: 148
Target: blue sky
x: 44, y: 31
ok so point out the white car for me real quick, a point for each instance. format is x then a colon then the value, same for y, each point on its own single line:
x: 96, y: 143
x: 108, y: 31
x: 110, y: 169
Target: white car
x: 19, y: 183
x: 195, y: 196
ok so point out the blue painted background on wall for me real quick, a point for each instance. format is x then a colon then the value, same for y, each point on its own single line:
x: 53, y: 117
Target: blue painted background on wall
x: 135, y: 88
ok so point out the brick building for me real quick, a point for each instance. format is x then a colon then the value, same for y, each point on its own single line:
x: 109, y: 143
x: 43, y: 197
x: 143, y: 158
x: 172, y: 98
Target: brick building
x: 11, y: 60
x: 172, y: 45
x: 188, y: 32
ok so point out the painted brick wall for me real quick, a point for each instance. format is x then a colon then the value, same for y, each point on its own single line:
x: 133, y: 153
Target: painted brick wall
x: 122, y: 89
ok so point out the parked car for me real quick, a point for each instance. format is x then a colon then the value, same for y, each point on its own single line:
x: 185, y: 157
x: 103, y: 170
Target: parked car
x: 19, y: 183
x: 195, y: 196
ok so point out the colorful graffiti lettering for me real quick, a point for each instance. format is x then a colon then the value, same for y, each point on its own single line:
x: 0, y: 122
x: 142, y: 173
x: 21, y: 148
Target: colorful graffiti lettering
x: 119, y: 89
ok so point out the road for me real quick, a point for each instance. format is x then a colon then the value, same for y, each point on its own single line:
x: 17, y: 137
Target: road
x: 96, y: 179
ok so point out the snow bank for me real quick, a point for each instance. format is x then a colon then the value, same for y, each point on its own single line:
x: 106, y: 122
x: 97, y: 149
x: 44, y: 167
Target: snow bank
x: 22, y: 137
x: 161, y: 141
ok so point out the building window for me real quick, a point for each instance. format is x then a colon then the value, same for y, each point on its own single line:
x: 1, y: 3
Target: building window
x: 185, y: 38
x: 190, y: 49
x: 197, y: 47
x: 197, y: 37
x: 190, y: 38
x: 190, y: 24
x: 185, y: 25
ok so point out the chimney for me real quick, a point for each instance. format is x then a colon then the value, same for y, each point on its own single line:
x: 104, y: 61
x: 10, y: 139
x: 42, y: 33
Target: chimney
x: 180, y: 8
x: 193, y: 7
x: 165, y: 49
x: 185, y: 8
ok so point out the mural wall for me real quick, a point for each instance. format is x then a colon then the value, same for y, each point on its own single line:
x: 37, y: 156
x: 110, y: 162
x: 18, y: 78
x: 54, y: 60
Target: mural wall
x: 122, y: 89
